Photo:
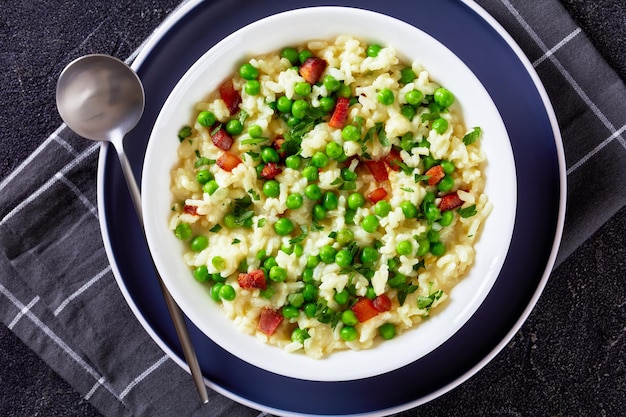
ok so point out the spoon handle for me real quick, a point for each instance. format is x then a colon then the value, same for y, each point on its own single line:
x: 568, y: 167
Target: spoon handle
x: 173, y: 308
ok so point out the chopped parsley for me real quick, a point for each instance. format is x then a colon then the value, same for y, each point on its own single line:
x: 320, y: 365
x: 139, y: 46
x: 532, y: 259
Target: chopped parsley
x: 472, y: 136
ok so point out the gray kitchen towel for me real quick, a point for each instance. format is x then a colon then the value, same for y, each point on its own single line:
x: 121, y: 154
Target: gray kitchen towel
x: 58, y: 292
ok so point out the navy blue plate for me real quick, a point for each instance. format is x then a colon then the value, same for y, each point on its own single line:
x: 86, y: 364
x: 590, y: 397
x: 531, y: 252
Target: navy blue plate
x: 535, y: 140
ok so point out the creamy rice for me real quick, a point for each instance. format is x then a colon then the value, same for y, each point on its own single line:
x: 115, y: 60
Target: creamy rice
x: 416, y: 285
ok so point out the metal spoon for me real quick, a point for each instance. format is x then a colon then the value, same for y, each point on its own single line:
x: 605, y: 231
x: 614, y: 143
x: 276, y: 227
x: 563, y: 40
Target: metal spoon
x: 100, y: 98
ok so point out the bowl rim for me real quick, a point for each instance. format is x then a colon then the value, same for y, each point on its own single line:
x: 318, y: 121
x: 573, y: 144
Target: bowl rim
x: 344, y: 374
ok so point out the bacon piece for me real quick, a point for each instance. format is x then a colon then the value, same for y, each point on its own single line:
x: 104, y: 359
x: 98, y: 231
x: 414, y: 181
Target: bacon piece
x: 270, y: 170
x: 340, y: 114
x: 277, y: 144
x: 450, y: 202
x: 382, y: 303
x: 222, y: 139
x: 231, y: 97
x: 312, y: 68
x: 378, y: 169
x: 269, y: 320
x: 252, y: 279
x: 227, y: 161
x: 364, y: 309
x: 393, y: 159
x: 191, y: 209
x: 376, y: 195
x: 435, y: 173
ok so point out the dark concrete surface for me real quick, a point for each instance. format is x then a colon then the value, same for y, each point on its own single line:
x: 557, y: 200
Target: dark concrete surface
x: 571, y: 365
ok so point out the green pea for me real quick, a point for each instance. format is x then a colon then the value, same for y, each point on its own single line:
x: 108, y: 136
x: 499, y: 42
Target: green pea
x: 334, y: 150
x: 311, y: 173
x: 429, y: 197
x: 423, y: 247
x: 443, y: 97
x: 210, y: 187
x: 373, y: 50
x: 348, y: 175
x: 407, y: 75
x: 227, y: 292
x: 446, y: 218
x: 313, y: 192
x: 201, y: 273
x: 302, y: 88
x: 304, y: 54
x: 429, y: 161
x: 283, y: 104
x: 293, y: 162
x: 331, y: 84
x: 387, y: 331
x: 370, y: 293
x: 448, y: 167
x: 440, y: 125
x: 269, y: 154
x: 294, y: 201
x: 183, y: 231
x: 252, y: 87
x: 278, y: 274
x: 319, y: 212
x: 218, y: 263
x: 344, y: 91
x: 341, y: 297
x: 343, y: 258
x: 255, y: 131
x: 348, y: 333
x: 414, y: 97
x: 356, y: 200
x: 369, y: 255
x: 350, y: 133
x: 203, y: 176
x: 431, y: 212
x: 206, y: 118
x: 291, y: 54
x: 215, y: 291
x: 283, y: 226
x: 271, y: 188
x: 349, y: 318
x: 370, y: 223
x: 270, y: 262
x: 393, y: 264
x: 345, y: 236
x: 298, y: 249
x: 248, y: 71
x: 327, y: 104
x: 299, y: 335
x: 319, y: 160
x: 408, y: 209
x: 309, y: 292
x: 408, y: 111
x: 307, y: 276
x: 404, y: 247
x: 230, y: 221
x: 330, y: 200
x: 327, y: 254
x: 299, y: 108
x: 234, y: 127
x: 312, y: 261
x: 310, y: 309
x: 446, y: 184
x: 385, y: 96
x: 290, y: 312
x: 438, y: 249
x: 199, y: 243
x: 382, y: 208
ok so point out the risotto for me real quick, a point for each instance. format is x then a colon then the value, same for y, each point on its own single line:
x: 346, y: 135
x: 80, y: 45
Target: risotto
x: 329, y: 195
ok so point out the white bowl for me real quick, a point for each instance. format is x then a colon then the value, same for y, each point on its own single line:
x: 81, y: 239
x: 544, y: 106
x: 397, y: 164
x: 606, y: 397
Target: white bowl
x: 293, y: 28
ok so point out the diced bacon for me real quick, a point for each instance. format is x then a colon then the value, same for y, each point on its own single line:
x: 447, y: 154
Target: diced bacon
x: 253, y: 279
x: 222, y: 139
x: 269, y: 320
x: 378, y: 169
x: 231, y: 97
x: 435, y: 173
x: 376, y: 195
x: 382, y: 303
x: 270, y: 170
x: 364, y: 309
x: 312, y: 68
x: 450, y: 202
x: 191, y: 209
x: 393, y: 159
x: 277, y: 144
x: 340, y: 114
x: 227, y: 161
